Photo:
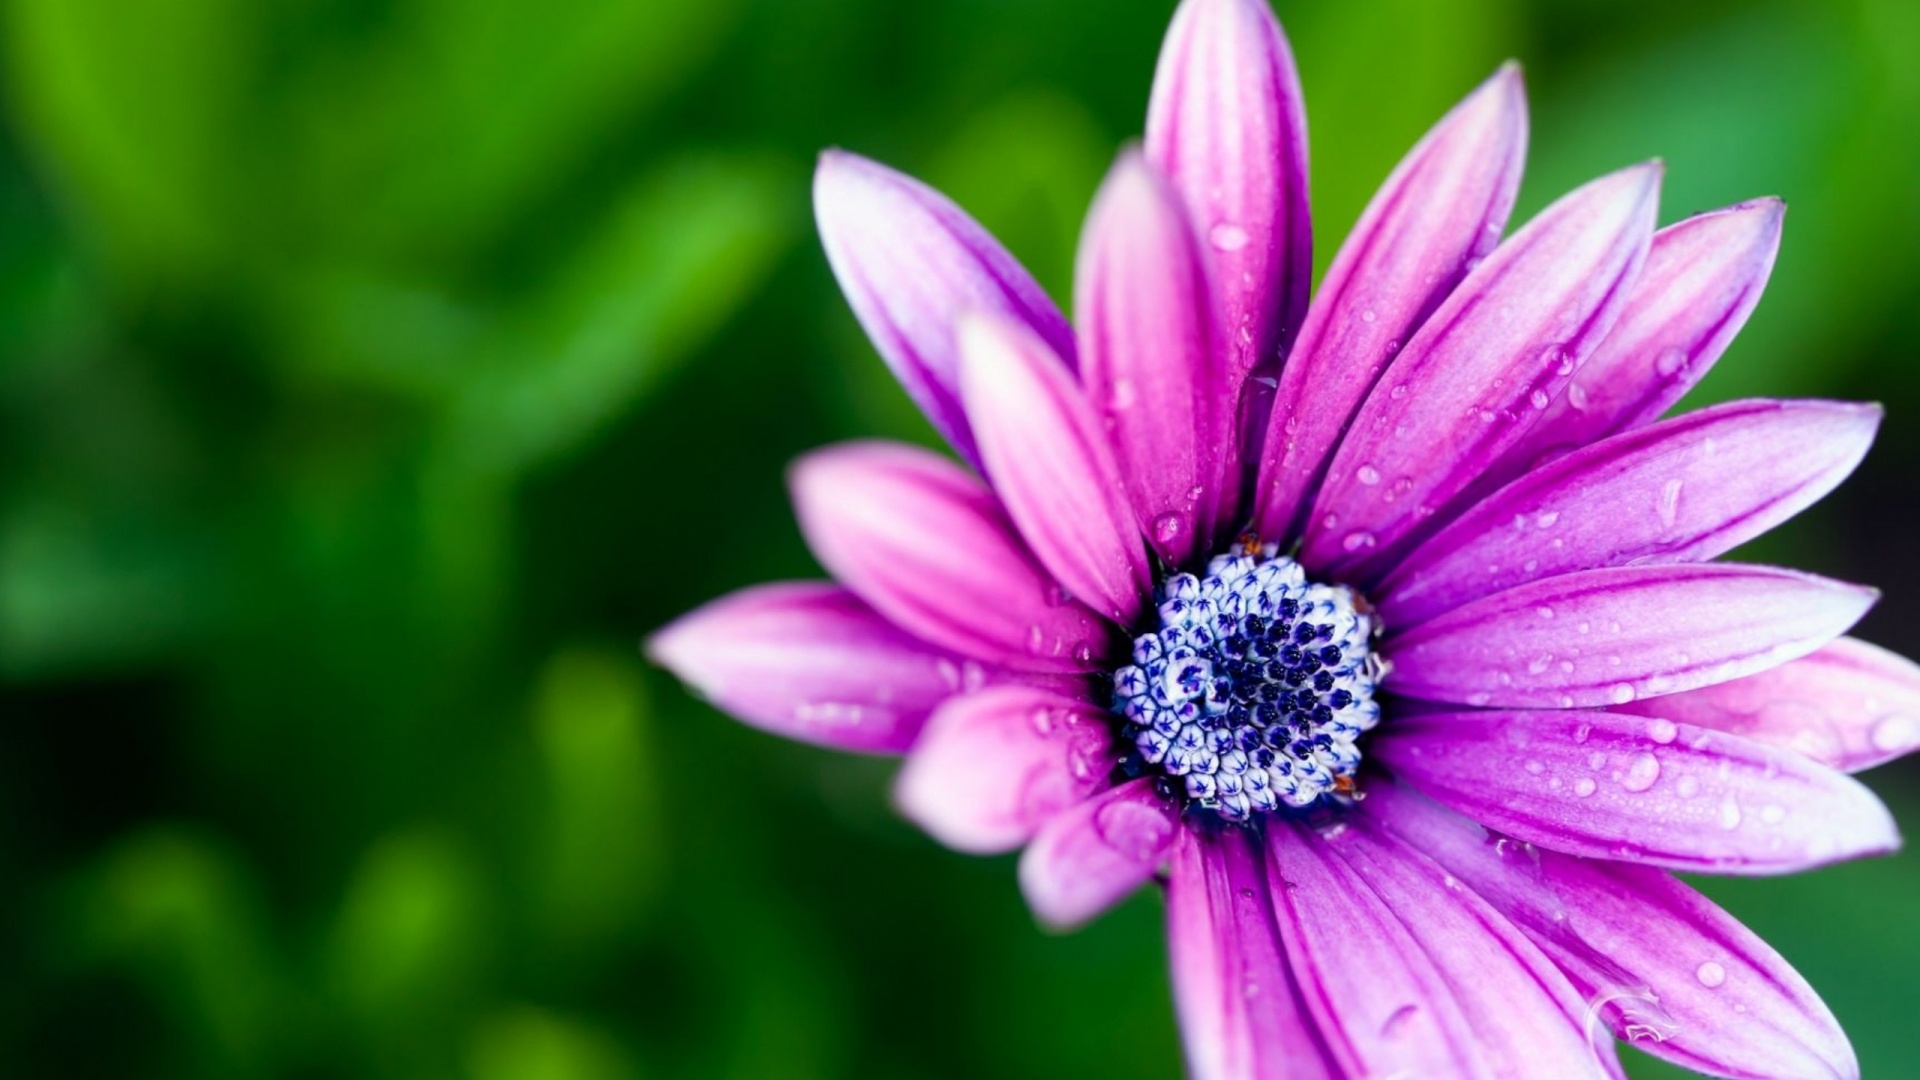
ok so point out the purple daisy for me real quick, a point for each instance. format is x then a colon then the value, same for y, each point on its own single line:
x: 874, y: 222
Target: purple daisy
x: 1402, y: 665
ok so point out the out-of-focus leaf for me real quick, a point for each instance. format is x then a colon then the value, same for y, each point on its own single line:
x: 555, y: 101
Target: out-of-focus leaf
x: 600, y: 853
x: 177, y: 908
x: 412, y: 932
x: 465, y: 108
x: 137, y: 105
x: 533, y: 1044
x: 77, y: 591
x: 680, y: 255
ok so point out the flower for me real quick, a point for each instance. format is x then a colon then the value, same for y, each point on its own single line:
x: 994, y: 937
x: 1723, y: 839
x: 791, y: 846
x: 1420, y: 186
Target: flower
x: 1402, y: 666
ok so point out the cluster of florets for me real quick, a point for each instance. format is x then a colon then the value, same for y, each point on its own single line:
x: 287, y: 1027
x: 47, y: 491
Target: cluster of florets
x: 1250, y: 695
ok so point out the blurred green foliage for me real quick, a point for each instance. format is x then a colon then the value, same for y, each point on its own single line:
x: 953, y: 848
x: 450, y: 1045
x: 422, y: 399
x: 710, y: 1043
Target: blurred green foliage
x: 374, y: 373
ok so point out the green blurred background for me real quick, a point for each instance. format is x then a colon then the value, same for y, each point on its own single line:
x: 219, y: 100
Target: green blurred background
x: 375, y: 373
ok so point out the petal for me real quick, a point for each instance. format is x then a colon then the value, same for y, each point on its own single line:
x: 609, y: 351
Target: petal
x: 1608, y: 636
x: 1241, y: 1016
x: 928, y: 545
x: 1850, y: 705
x: 1638, y: 789
x: 1405, y: 980
x: 1151, y: 360
x: 1052, y: 467
x: 810, y: 661
x: 1702, y: 279
x: 1442, y: 210
x: 1227, y: 125
x: 1684, y: 490
x: 1668, y: 971
x: 1478, y: 373
x: 1090, y: 856
x: 910, y: 262
x: 992, y: 766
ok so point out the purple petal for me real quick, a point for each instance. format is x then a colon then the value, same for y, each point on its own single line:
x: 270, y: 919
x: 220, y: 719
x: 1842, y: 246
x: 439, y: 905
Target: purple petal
x: 910, y: 262
x: 1227, y: 125
x: 1638, y: 789
x: 1850, y: 705
x: 1609, y: 636
x: 1479, y: 372
x: 1089, y: 857
x: 1442, y: 210
x: 928, y: 545
x: 1052, y: 467
x: 1407, y: 977
x: 1684, y: 490
x: 1152, y: 362
x: 1702, y: 278
x: 1667, y: 970
x: 810, y: 661
x: 1241, y: 1016
x: 992, y: 766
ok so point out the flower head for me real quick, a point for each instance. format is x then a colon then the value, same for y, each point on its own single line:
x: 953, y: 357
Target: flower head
x: 1382, y: 631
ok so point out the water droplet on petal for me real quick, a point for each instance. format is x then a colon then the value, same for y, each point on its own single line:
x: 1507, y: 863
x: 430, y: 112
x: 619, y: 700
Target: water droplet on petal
x: 1662, y: 731
x: 1355, y: 541
x: 1584, y: 786
x: 1367, y: 475
x: 1227, y: 236
x: 1895, y: 732
x: 1710, y: 974
x: 1166, y: 528
x: 1641, y: 774
x: 1670, y: 362
x: 1621, y: 694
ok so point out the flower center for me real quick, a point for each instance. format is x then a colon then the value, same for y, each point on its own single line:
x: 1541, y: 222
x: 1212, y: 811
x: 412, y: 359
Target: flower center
x: 1251, y: 693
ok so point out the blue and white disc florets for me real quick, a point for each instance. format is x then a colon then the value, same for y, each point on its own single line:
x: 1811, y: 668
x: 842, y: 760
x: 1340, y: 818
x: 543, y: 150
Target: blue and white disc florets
x: 1253, y: 690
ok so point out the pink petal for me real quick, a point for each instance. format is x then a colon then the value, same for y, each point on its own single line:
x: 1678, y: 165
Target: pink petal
x: 1090, y: 856
x: 1667, y: 970
x: 1442, y: 210
x: 1684, y: 490
x: 1406, y: 977
x: 1051, y: 465
x: 810, y: 661
x: 1227, y: 125
x: 1241, y: 1015
x: 925, y: 542
x: 1609, y: 636
x: 992, y: 766
x: 1479, y: 372
x: 910, y: 262
x: 1638, y: 789
x: 1850, y: 705
x: 1702, y: 279
x: 1152, y: 360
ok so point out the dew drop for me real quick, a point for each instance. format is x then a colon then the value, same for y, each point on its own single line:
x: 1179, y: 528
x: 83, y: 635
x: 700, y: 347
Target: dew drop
x: 1894, y: 733
x: 1621, y: 694
x: 1710, y: 974
x: 1670, y: 502
x: 1534, y: 766
x: 1670, y: 362
x: 1227, y: 236
x: 1367, y: 315
x: 1584, y: 786
x: 1355, y: 541
x: 1367, y: 475
x: 1687, y: 787
x: 1729, y: 813
x: 1662, y: 731
x: 1166, y: 528
x: 1577, y: 397
x: 1641, y: 774
x: 1540, y: 399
